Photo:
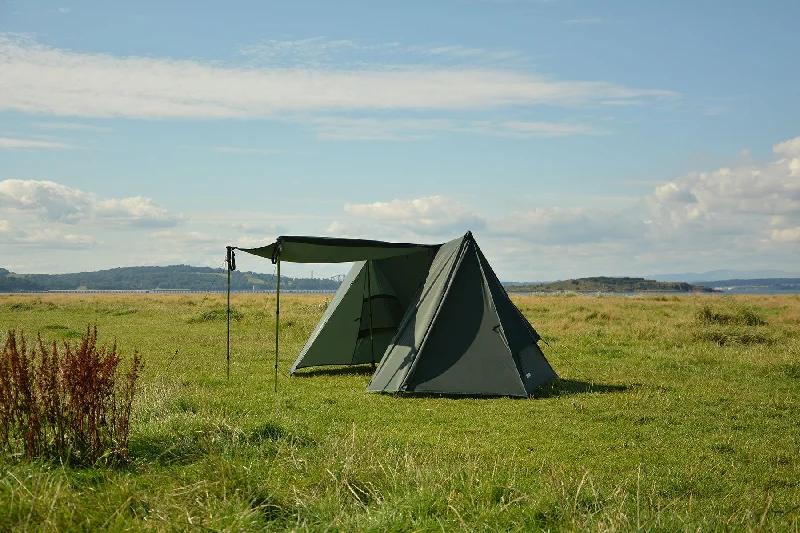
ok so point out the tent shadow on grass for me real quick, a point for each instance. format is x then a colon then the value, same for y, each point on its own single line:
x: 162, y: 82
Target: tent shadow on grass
x: 553, y: 389
x: 570, y: 387
x: 355, y: 370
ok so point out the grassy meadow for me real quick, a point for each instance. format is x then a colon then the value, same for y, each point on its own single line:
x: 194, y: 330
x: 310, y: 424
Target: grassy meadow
x: 674, y: 413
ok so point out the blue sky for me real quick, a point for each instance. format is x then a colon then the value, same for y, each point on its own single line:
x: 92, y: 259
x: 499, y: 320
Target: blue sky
x: 574, y: 138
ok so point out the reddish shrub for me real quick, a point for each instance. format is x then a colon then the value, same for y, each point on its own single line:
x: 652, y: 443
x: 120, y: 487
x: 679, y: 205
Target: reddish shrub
x: 70, y: 404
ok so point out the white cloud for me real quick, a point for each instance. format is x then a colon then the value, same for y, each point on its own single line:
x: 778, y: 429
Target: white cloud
x: 261, y: 228
x: 58, y: 203
x: 752, y: 203
x: 248, y: 241
x: 672, y: 192
x: 54, y: 202
x: 185, y: 237
x: 46, y: 238
x: 321, y: 53
x: 747, y: 214
x: 248, y: 151
x: 429, y: 215
x: 568, y: 225
x: 790, y: 148
x: 372, y: 129
x: 471, y: 55
x: 546, y: 129
x: 135, y: 211
x: 337, y: 228
x: 13, y: 144
x: 786, y: 235
x: 6, y: 227
x: 312, y: 52
x: 70, y: 126
x: 412, y: 129
x: 47, y: 80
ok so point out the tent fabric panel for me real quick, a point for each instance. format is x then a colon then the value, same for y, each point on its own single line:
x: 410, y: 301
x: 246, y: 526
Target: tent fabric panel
x: 534, y: 368
x: 363, y: 354
x: 334, y: 337
x: 381, y: 312
x: 296, y: 249
x: 377, y: 284
x: 346, y: 320
x: 406, y: 274
x: 400, y: 355
x: 465, y: 352
x: 520, y: 336
x: 386, y: 313
x: 396, y: 360
x: 518, y: 331
x: 435, y: 284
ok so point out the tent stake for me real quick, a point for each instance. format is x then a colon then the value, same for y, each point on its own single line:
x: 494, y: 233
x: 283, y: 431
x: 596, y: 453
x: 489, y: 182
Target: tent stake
x: 277, y: 318
x: 369, y: 300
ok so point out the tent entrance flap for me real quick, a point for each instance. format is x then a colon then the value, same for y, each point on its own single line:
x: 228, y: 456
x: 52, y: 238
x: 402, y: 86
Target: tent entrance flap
x: 359, y: 323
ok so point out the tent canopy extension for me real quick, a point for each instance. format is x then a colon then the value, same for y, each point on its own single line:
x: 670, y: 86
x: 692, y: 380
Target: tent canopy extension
x: 296, y: 249
x: 435, y: 318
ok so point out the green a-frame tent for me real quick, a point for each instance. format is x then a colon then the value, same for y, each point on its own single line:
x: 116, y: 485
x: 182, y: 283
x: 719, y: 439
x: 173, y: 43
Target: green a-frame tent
x: 432, y: 318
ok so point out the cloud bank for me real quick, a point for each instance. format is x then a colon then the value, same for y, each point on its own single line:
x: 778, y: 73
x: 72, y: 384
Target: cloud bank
x: 52, y: 81
x: 54, y: 202
x: 746, y: 214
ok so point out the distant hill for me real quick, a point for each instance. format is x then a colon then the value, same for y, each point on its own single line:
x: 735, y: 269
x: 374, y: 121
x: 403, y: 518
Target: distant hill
x: 609, y: 284
x: 771, y: 284
x: 183, y: 277
x: 727, y: 274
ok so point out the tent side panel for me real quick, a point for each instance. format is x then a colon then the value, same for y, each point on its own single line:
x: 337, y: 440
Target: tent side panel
x: 465, y: 352
x: 521, y: 337
x: 399, y: 357
x: 518, y: 330
x: 333, y: 339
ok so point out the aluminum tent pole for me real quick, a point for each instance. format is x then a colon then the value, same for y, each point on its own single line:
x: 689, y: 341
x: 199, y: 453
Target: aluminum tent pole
x: 277, y: 317
x: 228, y: 358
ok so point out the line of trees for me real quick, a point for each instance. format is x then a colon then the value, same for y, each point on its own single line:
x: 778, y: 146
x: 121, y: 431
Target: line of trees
x: 156, y: 277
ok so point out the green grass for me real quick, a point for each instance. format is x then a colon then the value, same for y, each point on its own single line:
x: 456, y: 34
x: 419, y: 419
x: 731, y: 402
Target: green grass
x: 673, y: 414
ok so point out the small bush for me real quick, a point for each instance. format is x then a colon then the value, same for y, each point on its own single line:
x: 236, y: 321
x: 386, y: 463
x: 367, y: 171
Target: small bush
x: 70, y: 404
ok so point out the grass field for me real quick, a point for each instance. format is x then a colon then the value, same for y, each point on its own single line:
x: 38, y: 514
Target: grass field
x: 673, y: 414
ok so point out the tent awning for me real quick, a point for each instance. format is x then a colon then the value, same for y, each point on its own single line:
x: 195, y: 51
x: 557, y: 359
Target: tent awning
x: 296, y: 249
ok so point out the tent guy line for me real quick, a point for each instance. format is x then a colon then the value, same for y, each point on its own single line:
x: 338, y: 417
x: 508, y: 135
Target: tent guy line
x: 436, y: 312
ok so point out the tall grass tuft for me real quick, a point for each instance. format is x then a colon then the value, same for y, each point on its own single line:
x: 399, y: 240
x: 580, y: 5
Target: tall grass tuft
x: 71, y: 404
x: 737, y: 325
x: 741, y: 316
